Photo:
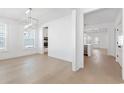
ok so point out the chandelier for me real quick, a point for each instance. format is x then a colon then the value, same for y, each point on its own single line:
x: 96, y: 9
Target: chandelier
x: 30, y: 21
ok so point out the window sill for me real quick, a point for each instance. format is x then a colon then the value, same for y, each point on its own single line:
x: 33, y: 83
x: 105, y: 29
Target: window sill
x: 3, y: 50
x: 29, y: 48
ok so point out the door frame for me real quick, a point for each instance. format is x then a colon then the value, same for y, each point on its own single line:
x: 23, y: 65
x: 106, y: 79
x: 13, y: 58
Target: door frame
x: 123, y: 43
x: 78, y: 64
x: 78, y: 28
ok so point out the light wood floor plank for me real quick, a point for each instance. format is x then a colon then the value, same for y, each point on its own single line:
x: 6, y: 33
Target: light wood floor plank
x: 41, y: 69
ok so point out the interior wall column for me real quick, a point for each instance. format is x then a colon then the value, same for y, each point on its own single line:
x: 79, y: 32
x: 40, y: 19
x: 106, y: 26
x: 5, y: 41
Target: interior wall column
x: 78, y: 27
x: 123, y: 44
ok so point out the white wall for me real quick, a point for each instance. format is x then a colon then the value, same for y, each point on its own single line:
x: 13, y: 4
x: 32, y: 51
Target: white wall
x: 60, y: 38
x: 15, y: 41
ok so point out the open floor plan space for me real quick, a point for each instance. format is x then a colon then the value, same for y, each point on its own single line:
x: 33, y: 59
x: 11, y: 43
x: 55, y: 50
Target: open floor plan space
x: 99, y: 68
x: 61, y: 46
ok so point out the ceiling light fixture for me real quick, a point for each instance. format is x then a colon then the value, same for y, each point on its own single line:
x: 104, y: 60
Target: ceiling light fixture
x: 30, y: 21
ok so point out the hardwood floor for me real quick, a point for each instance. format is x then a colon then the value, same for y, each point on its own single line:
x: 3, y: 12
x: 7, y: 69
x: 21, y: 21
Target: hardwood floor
x: 41, y: 69
x: 102, y: 68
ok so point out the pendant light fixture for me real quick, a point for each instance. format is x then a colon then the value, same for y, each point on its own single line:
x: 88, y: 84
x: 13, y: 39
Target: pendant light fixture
x: 29, y: 19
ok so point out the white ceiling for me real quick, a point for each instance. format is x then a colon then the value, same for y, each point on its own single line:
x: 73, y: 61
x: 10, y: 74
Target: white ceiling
x: 101, y: 16
x: 43, y: 14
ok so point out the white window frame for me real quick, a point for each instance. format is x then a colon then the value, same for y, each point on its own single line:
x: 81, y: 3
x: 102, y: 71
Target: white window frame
x: 6, y: 38
x: 34, y: 45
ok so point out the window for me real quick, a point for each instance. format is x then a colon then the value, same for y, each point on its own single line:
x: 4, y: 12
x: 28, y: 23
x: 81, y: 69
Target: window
x: 29, y: 39
x: 3, y: 36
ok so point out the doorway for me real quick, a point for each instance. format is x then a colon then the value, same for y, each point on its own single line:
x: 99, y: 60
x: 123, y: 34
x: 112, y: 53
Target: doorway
x: 45, y: 40
x: 102, y: 41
